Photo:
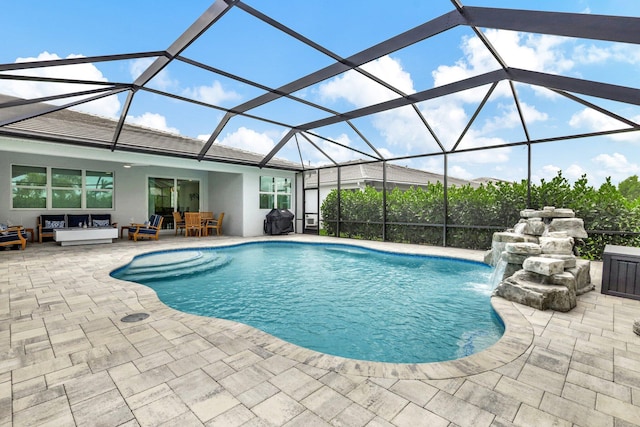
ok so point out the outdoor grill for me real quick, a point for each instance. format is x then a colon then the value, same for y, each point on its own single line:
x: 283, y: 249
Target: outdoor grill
x: 278, y: 221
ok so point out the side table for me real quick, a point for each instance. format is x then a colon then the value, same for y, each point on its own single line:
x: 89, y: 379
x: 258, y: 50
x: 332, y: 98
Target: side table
x: 124, y: 227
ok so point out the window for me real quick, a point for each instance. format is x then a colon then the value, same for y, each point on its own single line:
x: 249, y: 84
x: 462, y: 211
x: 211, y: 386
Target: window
x: 66, y: 189
x: 99, y: 190
x: 29, y: 187
x: 275, y: 193
x: 35, y: 187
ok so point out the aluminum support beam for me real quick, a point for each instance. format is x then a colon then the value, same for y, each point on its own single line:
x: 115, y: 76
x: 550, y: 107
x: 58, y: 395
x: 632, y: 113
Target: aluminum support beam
x: 586, y: 26
x: 609, y: 91
x: 206, y: 20
x: 81, y: 60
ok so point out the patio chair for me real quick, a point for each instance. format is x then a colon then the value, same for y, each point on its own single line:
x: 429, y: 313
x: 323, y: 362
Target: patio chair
x: 149, y: 230
x: 178, y: 222
x: 13, y: 236
x: 215, y: 224
x: 193, y: 224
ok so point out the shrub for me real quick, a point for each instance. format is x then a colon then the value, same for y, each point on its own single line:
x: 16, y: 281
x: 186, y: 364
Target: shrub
x: 416, y: 215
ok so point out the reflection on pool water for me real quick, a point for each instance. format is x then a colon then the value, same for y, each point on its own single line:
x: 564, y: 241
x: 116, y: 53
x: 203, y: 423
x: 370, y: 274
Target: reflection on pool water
x: 337, y: 299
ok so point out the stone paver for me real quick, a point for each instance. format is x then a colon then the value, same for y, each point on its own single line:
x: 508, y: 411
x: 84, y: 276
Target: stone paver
x: 66, y: 359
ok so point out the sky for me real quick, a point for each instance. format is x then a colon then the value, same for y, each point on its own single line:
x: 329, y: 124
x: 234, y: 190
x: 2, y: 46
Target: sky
x: 238, y: 43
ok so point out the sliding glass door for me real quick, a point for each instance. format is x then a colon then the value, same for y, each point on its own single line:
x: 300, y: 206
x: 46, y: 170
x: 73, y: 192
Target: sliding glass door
x: 167, y: 195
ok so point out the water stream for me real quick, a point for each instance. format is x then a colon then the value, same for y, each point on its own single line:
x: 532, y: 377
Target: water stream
x: 498, y: 273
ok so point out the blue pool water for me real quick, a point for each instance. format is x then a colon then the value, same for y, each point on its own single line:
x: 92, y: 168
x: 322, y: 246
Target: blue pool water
x: 337, y: 299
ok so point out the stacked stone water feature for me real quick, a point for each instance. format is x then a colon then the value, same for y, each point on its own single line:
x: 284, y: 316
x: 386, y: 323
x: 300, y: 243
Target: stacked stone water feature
x: 536, y: 261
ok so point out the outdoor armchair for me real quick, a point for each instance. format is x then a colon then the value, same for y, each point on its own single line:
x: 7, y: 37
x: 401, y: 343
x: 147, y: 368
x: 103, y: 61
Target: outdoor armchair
x: 149, y: 230
x: 13, y: 236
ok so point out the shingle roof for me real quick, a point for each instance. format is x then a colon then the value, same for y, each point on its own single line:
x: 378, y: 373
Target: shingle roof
x: 373, y: 172
x: 73, y: 127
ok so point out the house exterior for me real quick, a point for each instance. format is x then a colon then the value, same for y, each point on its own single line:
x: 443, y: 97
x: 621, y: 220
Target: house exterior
x: 133, y: 174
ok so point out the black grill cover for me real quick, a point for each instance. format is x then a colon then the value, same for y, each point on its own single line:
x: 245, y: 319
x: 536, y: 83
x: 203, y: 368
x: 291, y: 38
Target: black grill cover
x: 278, y: 221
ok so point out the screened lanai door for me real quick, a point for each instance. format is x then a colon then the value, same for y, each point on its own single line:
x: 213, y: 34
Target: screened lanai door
x: 168, y: 195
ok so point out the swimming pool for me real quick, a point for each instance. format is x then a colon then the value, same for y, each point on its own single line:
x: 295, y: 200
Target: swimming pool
x: 337, y: 299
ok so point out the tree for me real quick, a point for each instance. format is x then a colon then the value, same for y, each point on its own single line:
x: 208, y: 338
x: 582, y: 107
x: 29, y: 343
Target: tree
x: 630, y: 188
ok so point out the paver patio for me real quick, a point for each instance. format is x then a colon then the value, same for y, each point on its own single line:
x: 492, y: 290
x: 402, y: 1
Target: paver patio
x: 66, y: 359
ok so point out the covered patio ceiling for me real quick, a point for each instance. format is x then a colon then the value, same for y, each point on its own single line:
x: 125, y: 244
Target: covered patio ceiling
x: 317, y: 129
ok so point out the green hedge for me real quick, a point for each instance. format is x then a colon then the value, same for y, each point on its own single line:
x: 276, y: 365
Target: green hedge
x: 414, y: 216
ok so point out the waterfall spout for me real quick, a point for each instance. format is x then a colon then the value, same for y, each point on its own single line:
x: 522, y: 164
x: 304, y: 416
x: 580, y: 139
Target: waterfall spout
x: 498, y: 273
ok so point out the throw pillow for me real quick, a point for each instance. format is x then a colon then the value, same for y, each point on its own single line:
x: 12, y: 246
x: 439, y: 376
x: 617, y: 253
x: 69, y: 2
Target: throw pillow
x: 3, y: 229
x: 54, y: 224
x: 101, y: 223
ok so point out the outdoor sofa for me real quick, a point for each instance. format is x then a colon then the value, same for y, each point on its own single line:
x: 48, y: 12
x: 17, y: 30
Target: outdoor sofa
x: 48, y: 223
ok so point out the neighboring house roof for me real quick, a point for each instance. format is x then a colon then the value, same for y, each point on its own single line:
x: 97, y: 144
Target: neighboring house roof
x: 372, y: 173
x: 76, y: 128
x: 486, y: 180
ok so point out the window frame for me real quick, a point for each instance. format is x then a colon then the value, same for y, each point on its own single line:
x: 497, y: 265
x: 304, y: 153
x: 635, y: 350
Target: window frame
x: 50, y: 189
x: 274, y: 193
x: 15, y: 188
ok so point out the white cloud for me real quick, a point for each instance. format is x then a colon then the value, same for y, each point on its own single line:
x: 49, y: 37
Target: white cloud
x: 153, y: 121
x: 589, y: 120
x: 162, y: 80
x: 496, y: 155
x: 214, y: 94
x: 457, y: 171
x: 509, y: 117
x: 336, y: 152
x: 546, y: 172
x: 105, y: 107
x: 249, y: 140
x: 615, y: 166
x: 362, y: 91
x: 574, y: 172
x: 606, y: 54
x: 534, y: 52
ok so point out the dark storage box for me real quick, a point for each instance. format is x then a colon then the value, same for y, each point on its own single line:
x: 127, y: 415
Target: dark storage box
x: 621, y: 271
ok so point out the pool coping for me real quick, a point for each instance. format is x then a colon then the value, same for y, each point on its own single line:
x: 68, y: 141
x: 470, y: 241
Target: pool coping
x: 517, y: 338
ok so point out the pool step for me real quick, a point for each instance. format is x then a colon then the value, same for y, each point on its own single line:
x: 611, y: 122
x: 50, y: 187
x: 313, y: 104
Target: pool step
x: 161, y: 266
